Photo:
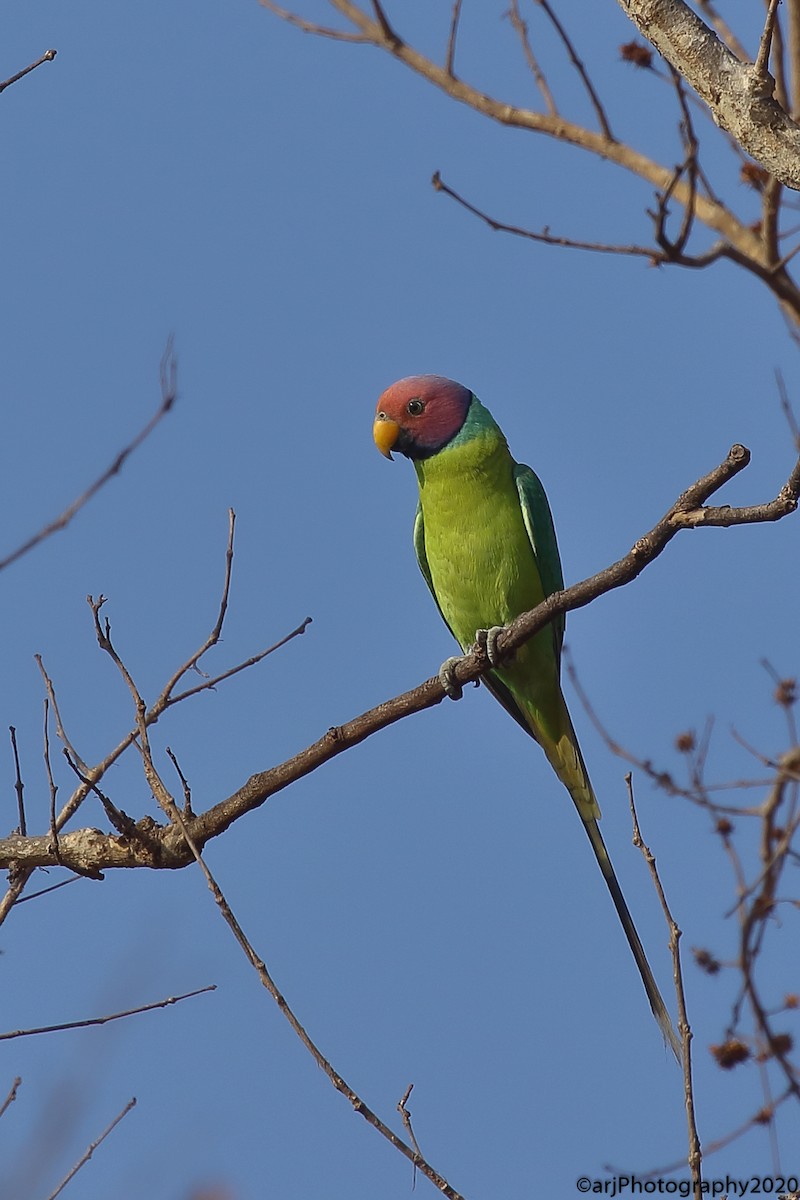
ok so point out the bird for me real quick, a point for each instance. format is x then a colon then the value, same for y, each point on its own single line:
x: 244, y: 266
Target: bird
x: 486, y: 546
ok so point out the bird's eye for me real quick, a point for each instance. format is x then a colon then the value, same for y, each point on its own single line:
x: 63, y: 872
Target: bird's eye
x: 415, y: 407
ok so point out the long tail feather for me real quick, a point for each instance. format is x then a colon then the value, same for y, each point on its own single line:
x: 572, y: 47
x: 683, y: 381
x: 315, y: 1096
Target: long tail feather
x: 555, y: 734
x: 650, y: 986
x: 567, y: 761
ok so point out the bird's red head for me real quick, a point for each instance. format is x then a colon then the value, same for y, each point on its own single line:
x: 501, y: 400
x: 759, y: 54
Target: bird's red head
x: 419, y: 415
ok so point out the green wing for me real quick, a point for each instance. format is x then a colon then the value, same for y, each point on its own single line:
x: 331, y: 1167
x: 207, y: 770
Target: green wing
x: 540, y: 508
x: 422, y: 559
x: 539, y: 524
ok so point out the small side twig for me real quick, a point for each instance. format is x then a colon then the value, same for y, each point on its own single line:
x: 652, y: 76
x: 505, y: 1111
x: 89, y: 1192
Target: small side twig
x: 61, y: 732
x: 48, y: 56
x: 120, y: 820
x: 391, y: 38
x: 787, y: 410
x: 19, y: 787
x: 12, y: 1095
x: 51, y: 783
x: 520, y: 27
x: 54, y: 887
x: 544, y: 235
x: 761, y: 65
x: 91, y: 1021
x: 455, y: 17
x: 187, y: 791
x: 405, y: 1116
x: 579, y: 66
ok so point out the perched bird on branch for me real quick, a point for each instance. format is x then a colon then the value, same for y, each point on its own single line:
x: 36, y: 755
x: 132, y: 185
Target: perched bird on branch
x: 486, y: 545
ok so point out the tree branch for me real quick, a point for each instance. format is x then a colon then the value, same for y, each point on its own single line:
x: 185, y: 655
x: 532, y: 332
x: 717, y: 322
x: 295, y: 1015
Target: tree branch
x: 160, y: 847
x: 739, y: 94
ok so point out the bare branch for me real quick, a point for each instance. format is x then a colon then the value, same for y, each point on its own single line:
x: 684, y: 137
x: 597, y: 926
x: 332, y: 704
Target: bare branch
x: 739, y: 96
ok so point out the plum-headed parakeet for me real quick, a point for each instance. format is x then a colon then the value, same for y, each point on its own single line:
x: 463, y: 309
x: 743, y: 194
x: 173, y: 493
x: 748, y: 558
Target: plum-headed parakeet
x: 486, y: 546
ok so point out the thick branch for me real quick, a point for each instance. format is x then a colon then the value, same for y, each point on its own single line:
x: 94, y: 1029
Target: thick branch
x: 740, y: 95
x: 148, y: 844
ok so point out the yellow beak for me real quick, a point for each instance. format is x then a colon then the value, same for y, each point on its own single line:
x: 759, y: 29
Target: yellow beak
x: 385, y: 433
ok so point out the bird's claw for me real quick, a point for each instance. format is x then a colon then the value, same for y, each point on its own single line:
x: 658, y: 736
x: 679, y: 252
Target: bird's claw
x: 448, y: 679
x: 487, y: 640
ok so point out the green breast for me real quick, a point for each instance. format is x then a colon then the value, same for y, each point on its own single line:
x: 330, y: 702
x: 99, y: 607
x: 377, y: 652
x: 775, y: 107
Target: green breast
x: 481, y: 563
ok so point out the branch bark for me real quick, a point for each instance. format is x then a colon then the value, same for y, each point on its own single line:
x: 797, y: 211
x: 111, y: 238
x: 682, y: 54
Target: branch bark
x: 739, y: 94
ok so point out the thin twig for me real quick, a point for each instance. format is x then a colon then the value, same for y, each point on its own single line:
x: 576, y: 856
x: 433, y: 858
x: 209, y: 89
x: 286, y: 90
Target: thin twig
x: 544, y: 235
x: 388, y: 32
x: 91, y: 1149
x: 120, y: 820
x: 793, y: 39
x: 405, y: 1114
x: 48, y: 56
x: 695, y: 1156
x: 697, y: 792
x: 577, y: 63
x: 19, y: 787
x: 168, y: 396
x: 216, y: 631
x: 90, y: 1021
x: 761, y: 65
x: 61, y: 732
x: 724, y: 30
x: 326, y: 31
x: 12, y: 1095
x: 787, y: 410
x: 51, y: 783
x: 211, y: 683
x: 187, y: 791
x: 520, y: 27
x: 54, y: 887
x: 451, y: 40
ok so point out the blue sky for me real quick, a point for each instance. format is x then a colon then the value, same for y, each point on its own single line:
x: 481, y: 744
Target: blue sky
x: 427, y: 902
